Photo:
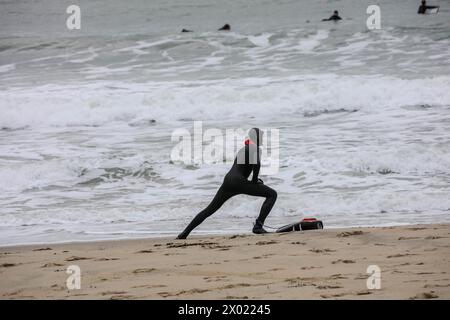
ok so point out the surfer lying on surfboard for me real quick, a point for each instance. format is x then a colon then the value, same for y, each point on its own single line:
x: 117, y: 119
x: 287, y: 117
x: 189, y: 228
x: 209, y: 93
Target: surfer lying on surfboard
x: 247, y: 160
x: 334, y: 17
x: 423, y: 7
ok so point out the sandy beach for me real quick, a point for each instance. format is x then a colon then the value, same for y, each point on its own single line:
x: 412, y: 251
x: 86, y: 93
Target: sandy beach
x: 327, y: 264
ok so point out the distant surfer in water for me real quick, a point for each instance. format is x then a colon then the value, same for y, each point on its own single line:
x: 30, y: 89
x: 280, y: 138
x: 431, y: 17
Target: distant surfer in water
x: 247, y: 160
x: 423, y: 7
x: 334, y: 17
x: 226, y: 27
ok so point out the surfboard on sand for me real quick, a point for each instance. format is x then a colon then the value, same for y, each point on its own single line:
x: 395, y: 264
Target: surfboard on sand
x: 305, y: 224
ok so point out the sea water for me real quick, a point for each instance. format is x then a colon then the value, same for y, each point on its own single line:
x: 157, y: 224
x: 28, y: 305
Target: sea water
x: 86, y: 116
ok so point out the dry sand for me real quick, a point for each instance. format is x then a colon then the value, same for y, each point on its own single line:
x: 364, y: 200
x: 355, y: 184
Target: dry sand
x: 327, y: 264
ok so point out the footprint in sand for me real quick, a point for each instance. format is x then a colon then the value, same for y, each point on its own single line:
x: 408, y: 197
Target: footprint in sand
x: 337, y: 276
x: 238, y: 236
x: 264, y: 256
x: 343, y: 261
x: 145, y: 251
x: 397, y: 271
x: 424, y: 273
x: 309, y: 268
x: 416, y: 229
x: 192, y: 291
x: 328, y: 296
x: 80, y: 294
x: 325, y: 287
x: 298, y: 283
x: 408, y: 238
x: 205, y: 245
x: 433, y: 237
x: 144, y: 270
x: 436, y: 285
x: 122, y: 297
x: 215, y: 278
x: 322, y: 250
x: 9, y: 265
x: 58, y: 287
x: 186, y: 244
x: 264, y: 243
x: 425, y: 295
x: 399, y: 255
x: 43, y: 249
x: 165, y: 294
x: 236, y: 298
x: 358, y: 293
x: 51, y: 264
x: 14, y: 293
x: 75, y: 258
x: 150, y: 286
x: 349, y: 233
x: 236, y: 285
x: 108, y: 293
x: 218, y: 247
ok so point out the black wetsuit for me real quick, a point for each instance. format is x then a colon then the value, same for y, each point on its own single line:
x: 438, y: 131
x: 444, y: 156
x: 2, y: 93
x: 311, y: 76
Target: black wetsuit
x: 334, y: 17
x: 226, y: 27
x: 236, y: 182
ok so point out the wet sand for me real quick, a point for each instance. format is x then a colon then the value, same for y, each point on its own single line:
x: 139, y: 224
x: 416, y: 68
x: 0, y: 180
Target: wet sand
x: 328, y: 264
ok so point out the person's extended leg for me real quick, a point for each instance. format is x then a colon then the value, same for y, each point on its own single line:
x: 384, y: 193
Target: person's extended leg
x: 260, y: 190
x: 219, y: 199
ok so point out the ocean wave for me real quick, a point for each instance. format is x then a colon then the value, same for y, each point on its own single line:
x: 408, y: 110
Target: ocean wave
x: 137, y: 103
x: 214, y: 55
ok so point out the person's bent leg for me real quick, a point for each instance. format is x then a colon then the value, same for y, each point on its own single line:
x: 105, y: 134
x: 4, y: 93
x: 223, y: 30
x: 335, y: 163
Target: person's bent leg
x: 216, y: 203
x: 271, y: 197
x: 261, y: 190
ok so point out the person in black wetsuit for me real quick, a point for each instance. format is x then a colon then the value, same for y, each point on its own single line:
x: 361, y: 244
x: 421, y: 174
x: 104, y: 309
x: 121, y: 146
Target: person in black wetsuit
x: 423, y: 7
x: 334, y: 17
x: 226, y: 27
x: 236, y: 182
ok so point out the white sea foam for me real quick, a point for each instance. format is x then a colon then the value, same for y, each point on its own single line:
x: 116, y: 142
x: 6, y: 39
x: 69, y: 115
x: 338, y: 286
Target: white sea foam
x: 97, y: 104
x: 7, y: 67
x: 311, y: 42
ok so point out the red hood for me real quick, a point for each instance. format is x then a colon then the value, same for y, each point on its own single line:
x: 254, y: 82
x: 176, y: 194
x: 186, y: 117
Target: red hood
x: 248, y: 141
